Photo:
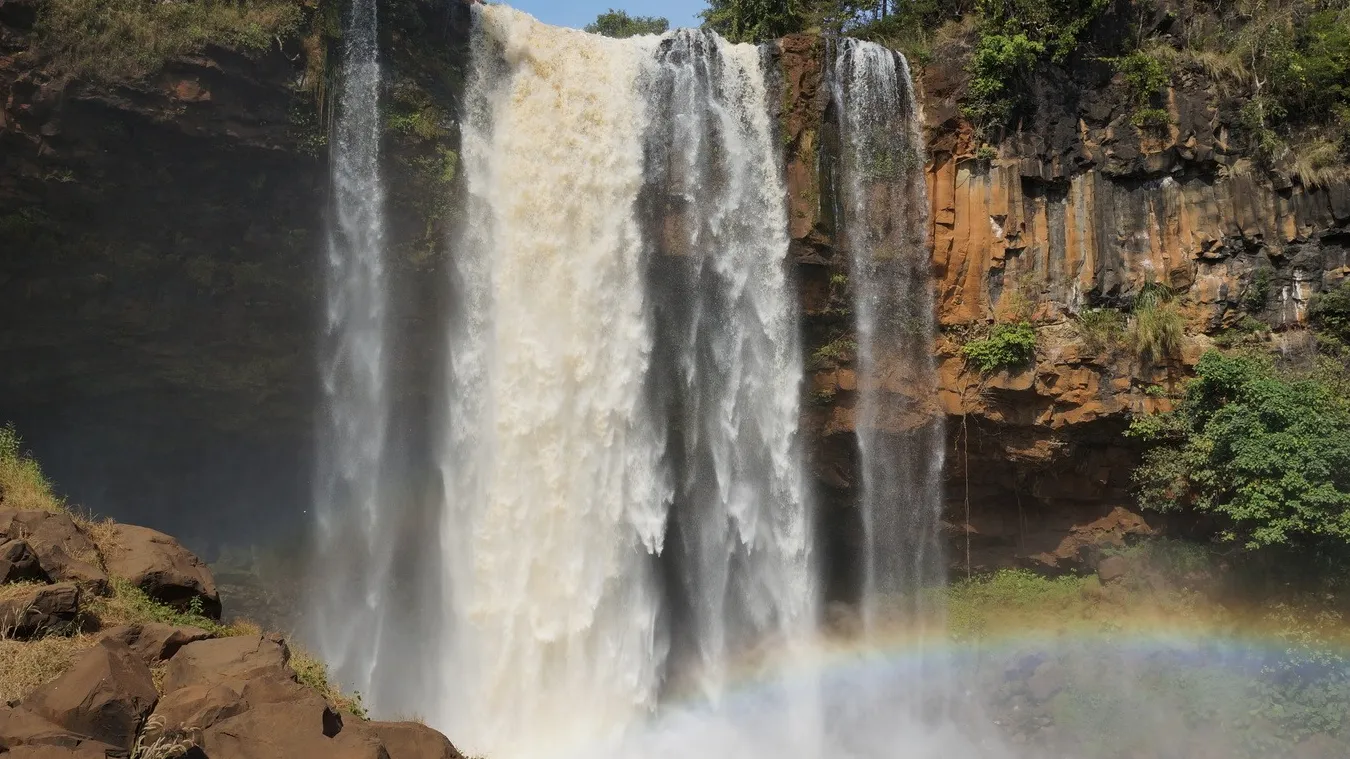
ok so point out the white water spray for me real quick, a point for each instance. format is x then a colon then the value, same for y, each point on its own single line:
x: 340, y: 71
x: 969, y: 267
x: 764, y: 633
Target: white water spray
x: 350, y: 600
x: 900, y: 430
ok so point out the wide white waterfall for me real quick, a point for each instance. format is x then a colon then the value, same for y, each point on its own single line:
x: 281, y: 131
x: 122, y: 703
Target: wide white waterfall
x: 567, y: 454
x: 899, y: 426
x: 349, y: 603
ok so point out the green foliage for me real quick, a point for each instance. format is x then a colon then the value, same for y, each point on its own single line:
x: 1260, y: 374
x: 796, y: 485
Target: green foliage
x: 986, y: 152
x: 131, y: 605
x: 1146, y: 118
x: 1268, y: 455
x: 971, y: 604
x: 836, y: 351
x: 999, y: 62
x: 312, y: 672
x: 1100, y: 328
x: 1145, y: 75
x: 1014, y: 36
x: 1329, y: 312
x: 618, y: 24
x: 1257, y: 292
x: 1157, y: 326
x: 125, y: 40
x: 22, y: 483
x: 756, y: 20
x: 1008, y: 346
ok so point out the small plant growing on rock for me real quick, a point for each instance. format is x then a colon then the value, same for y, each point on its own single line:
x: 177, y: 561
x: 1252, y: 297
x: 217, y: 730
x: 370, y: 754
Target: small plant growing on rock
x: 22, y: 482
x: 1157, y: 329
x: 1008, y: 346
x: 1100, y: 329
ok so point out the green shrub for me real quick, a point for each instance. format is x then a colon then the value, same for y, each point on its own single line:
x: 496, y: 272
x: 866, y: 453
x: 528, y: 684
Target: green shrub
x: 1008, y: 346
x: 620, y: 25
x: 1157, y: 326
x: 1267, y: 455
x: 837, y: 350
x: 1147, y: 118
x: 1257, y: 292
x: 1329, y: 312
x: 125, y: 40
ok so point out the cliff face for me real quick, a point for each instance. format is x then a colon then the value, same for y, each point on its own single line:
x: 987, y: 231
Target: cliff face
x: 159, y: 293
x: 1079, y: 209
x: 159, y: 287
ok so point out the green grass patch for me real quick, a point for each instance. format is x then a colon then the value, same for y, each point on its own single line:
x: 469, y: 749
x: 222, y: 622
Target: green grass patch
x: 126, y: 40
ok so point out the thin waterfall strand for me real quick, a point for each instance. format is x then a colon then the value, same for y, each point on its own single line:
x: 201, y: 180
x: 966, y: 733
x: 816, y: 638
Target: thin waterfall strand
x: 899, y: 428
x: 354, y: 554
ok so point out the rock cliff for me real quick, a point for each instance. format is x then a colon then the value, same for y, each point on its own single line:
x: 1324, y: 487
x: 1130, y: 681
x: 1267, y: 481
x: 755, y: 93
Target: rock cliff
x: 1075, y: 209
x: 158, y: 291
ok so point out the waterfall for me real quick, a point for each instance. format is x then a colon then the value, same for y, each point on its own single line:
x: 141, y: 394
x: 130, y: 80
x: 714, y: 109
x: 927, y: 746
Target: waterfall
x: 622, y: 476
x: 354, y: 554
x: 727, y: 320
x: 899, y: 427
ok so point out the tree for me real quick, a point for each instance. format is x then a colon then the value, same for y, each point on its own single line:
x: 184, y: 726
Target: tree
x: 1268, y: 455
x: 756, y: 20
x: 618, y: 24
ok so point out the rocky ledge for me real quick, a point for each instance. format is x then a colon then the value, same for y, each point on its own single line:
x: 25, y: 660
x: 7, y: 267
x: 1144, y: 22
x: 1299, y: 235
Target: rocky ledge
x: 80, y: 600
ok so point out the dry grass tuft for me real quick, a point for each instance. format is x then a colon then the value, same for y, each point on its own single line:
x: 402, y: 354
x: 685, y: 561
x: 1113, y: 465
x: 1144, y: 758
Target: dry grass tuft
x: 22, y: 483
x: 314, y: 673
x: 1317, y: 161
x: 24, y: 665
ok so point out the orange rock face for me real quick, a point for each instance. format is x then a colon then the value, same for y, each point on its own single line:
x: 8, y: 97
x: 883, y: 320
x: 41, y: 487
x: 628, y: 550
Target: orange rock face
x: 1078, y: 210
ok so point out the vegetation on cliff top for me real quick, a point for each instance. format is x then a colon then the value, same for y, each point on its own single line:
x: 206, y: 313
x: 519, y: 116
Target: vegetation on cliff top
x: 123, y: 40
x: 620, y: 25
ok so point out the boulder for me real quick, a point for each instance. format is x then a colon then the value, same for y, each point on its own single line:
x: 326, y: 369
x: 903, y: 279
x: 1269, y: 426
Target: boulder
x: 21, y: 727
x: 409, y: 740
x: 64, y: 552
x: 89, y: 750
x: 287, y: 731
x: 106, y: 695
x: 155, y: 642
x: 1045, y: 682
x: 228, y: 660
x: 28, y: 611
x: 162, y: 567
x: 1113, y: 568
x: 198, y: 707
x: 18, y: 562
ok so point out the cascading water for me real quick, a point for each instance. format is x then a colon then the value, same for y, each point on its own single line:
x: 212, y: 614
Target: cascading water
x: 728, y: 331
x: 350, y: 600
x: 900, y: 429
x: 562, y: 469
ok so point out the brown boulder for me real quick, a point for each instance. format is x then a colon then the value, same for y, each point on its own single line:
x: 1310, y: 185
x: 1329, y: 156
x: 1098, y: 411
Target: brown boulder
x: 64, y: 552
x: 155, y: 642
x: 198, y: 707
x: 162, y: 567
x: 28, y: 611
x: 106, y: 695
x: 241, y: 658
x: 18, y: 562
x: 89, y: 750
x: 409, y: 740
x: 287, y: 731
x: 20, y: 727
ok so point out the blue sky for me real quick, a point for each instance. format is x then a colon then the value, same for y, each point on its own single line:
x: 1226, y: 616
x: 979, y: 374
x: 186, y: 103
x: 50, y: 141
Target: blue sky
x: 579, y: 13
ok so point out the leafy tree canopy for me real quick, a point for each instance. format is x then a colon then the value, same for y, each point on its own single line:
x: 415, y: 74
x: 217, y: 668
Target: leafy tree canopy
x: 616, y: 23
x: 1267, y: 454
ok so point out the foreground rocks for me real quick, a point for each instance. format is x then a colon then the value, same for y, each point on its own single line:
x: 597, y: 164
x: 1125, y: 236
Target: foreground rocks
x: 219, y: 697
x: 162, y: 567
